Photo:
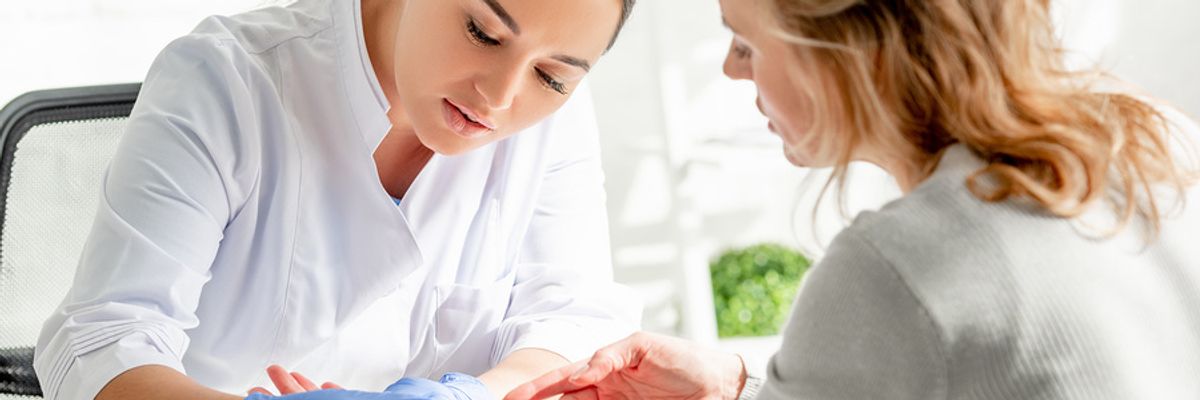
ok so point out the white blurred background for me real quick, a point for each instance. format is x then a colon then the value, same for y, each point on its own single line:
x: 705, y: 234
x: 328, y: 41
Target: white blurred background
x: 691, y: 168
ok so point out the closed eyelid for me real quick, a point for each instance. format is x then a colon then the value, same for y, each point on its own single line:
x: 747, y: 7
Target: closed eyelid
x: 550, y: 81
x: 478, y: 33
x: 575, y: 62
x: 563, y: 72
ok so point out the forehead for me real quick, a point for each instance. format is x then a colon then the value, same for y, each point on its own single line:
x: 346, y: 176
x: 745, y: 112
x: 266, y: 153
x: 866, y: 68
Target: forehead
x: 742, y: 15
x: 580, y: 25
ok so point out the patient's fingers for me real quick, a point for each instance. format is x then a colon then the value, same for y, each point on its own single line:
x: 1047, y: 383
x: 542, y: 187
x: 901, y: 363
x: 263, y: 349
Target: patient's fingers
x: 330, y: 385
x: 547, y: 385
x: 260, y: 390
x: 304, y: 382
x: 615, y: 357
x: 283, y: 380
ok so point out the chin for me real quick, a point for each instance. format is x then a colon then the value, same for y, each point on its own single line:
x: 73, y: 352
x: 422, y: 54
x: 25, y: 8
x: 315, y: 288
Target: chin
x: 445, y: 148
x: 807, y: 160
x: 447, y: 143
x: 440, y: 139
x: 796, y: 159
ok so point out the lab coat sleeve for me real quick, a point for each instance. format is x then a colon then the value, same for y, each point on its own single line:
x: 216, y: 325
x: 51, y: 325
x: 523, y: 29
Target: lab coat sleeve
x: 564, y: 298
x: 163, y: 204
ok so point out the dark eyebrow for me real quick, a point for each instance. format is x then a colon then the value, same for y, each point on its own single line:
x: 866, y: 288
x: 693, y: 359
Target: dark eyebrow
x: 504, y: 16
x: 574, y: 61
x: 512, y: 25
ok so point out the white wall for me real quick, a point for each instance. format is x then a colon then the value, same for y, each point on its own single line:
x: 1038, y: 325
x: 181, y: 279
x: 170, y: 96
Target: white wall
x: 1151, y: 43
x: 64, y: 43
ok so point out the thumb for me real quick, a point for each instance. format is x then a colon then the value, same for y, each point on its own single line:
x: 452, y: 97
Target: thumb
x: 614, y: 358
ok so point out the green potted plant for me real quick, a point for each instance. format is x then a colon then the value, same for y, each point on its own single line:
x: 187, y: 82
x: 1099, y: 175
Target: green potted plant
x: 753, y: 289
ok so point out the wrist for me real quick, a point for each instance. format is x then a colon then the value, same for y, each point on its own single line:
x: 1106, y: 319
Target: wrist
x: 735, y: 378
x: 466, y: 387
x: 751, y: 381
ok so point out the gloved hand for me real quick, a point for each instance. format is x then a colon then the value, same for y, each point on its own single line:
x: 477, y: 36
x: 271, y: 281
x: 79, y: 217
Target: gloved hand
x: 452, y: 386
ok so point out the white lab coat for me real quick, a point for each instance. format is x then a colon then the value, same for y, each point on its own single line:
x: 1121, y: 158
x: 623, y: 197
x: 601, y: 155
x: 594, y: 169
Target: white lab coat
x: 242, y: 223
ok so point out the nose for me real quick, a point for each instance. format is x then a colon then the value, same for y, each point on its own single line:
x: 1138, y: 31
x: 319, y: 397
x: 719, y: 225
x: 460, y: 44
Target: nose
x: 501, y: 86
x: 736, y: 67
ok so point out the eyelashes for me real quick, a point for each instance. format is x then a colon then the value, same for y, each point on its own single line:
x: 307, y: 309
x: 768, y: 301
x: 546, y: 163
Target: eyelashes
x: 550, y: 82
x: 478, y: 36
x: 482, y: 39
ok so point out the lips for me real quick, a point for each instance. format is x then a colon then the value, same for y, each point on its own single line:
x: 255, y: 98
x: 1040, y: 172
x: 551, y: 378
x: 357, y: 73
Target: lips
x: 770, y: 124
x: 465, y: 122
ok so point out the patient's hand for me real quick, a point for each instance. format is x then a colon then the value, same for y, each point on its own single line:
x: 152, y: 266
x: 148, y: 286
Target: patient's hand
x: 643, y: 366
x: 290, y: 382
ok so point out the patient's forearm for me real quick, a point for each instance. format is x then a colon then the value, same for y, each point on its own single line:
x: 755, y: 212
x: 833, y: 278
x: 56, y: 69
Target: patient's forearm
x: 521, y: 366
x: 153, y: 382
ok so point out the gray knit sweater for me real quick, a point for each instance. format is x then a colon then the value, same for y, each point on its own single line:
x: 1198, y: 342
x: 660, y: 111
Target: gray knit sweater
x: 942, y: 296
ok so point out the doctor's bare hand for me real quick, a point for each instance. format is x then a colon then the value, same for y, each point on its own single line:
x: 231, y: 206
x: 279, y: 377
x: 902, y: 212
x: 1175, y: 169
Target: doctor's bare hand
x: 290, y: 382
x: 643, y: 366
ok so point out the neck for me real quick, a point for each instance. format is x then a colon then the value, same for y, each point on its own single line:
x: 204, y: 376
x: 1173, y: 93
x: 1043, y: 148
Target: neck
x: 400, y: 156
x: 398, y: 160
x: 381, y: 20
x: 908, y: 177
x: 908, y: 168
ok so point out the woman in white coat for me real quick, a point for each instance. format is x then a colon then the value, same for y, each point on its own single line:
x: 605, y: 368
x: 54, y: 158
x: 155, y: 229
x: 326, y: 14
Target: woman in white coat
x: 360, y: 190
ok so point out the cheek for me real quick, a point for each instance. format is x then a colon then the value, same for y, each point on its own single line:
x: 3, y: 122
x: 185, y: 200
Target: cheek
x: 434, y: 56
x: 782, y: 97
x: 432, y: 47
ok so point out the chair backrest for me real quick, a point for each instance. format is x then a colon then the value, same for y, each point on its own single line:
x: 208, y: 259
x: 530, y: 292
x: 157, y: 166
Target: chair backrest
x: 56, y: 146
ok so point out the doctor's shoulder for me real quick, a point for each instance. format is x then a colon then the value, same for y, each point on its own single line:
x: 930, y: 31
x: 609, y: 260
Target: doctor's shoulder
x: 210, y: 94
x: 232, y: 60
x: 232, y: 51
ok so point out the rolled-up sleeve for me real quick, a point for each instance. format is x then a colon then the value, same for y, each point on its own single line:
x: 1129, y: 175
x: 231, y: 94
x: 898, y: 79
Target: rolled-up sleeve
x: 163, y: 205
x: 564, y: 298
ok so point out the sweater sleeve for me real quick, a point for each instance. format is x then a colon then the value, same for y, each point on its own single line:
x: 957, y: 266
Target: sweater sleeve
x: 857, y: 331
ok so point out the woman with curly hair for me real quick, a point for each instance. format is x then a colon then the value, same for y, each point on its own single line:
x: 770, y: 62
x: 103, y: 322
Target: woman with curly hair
x: 1043, y: 248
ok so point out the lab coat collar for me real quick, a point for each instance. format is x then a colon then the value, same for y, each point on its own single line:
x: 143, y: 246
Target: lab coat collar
x: 367, y: 102
x: 362, y: 89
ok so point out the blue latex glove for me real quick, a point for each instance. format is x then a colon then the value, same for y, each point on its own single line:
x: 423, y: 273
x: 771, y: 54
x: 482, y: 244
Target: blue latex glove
x: 466, y: 387
x: 453, y: 386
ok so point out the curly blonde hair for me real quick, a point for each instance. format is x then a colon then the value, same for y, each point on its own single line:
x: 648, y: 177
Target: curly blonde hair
x: 917, y: 76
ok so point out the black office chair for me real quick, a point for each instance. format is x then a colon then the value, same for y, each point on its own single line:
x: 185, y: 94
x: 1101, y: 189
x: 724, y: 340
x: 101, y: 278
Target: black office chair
x: 57, y: 144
